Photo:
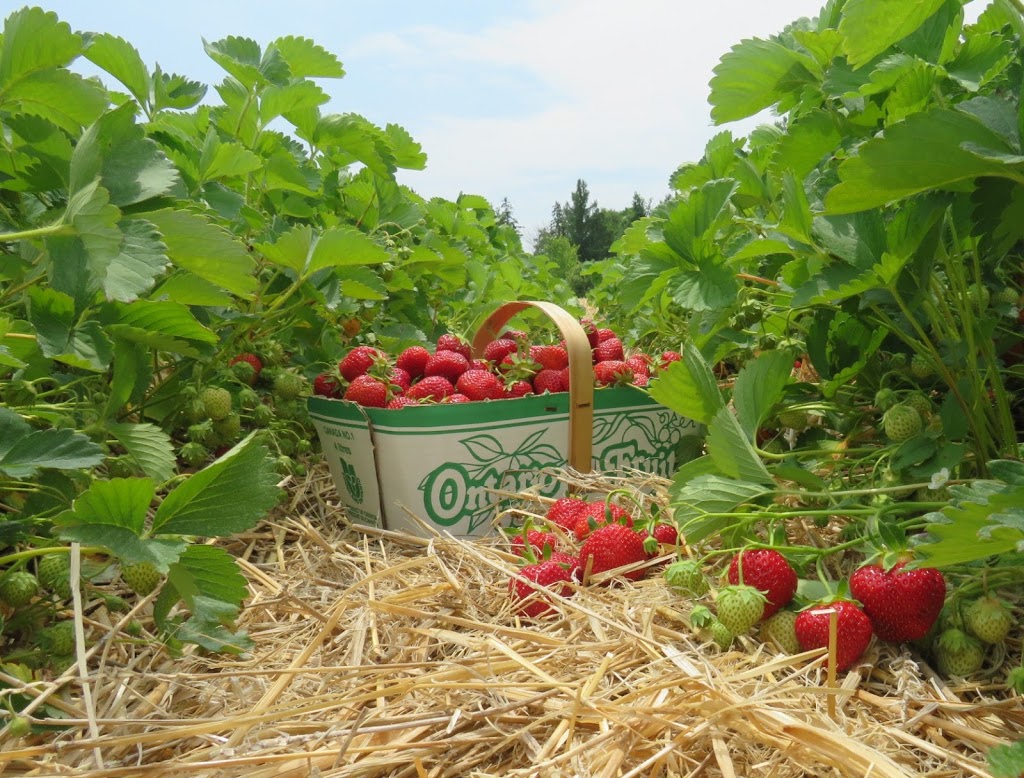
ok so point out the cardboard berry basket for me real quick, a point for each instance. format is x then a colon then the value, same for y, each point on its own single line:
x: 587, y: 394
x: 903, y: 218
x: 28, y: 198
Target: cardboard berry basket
x: 444, y: 463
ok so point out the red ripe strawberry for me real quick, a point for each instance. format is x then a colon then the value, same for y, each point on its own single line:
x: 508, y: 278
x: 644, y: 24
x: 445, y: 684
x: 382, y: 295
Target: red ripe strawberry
x: 358, y: 361
x: 449, y: 364
x: 641, y: 380
x: 537, y: 539
x: 400, y: 378
x: 640, y: 365
x: 613, y: 546
x: 516, y: 335
x: 902, y: 604
x: 251, y: 359
x: 549, y: 381
x: 853, y: 631
x: 550, y: 357
x: 368, y: 392
x: 767, y: 571
x: 565, y: 510
x: 569, y: 562
x: 432, y: 387
x: 497, y: 350
x: 591, y: 329
x: 454, y: 343
x: 598, y: 514
x: 612, y: 371
x: 400, y: 402
x: 456, y: 399
x: 529, y: 595
x: 667, y: 358
x: 413, y: 361
x: 565, y: 377
x: 480, y: 364
x: 605, y: 334
x: 480, y: 385
x: 665, y: 534
x: 609, y: 349
x: 519, y: 389
x: 326, y: 385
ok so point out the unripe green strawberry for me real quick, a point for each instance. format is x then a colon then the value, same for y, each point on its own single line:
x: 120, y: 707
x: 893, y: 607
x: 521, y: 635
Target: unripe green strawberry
x: 796, y: 420
x: 263, y: 415
x: 901, y: 422
x: 740, y: 607
x: 885, y: 399
x: 989, y: 619
x: 18, y: 588
x: 54, y: 573
x: 980, y: 295
x: 921, y: 367
x: 58, y: 640
x: 687, y: 577
x: 288, y: 386
x: 919, y: 402
x: 216, y: 402
x: 890, y: 479
x: 141, y: 577
x: 193, y: 454
x: 201, y: 432
x: 780, y: 629
x: 1008, y: 296
x: 957, y: 653
x: 228, y: 429
x: 248, y: 398
x: 19, y: 726
x: 121, y: 467
x: 775, y: 446
x: 720, y: 634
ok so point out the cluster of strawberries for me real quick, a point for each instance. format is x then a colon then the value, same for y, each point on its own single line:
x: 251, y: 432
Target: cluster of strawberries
x: 510, y: 367
x: 897, y: 605
x: 608, y: 541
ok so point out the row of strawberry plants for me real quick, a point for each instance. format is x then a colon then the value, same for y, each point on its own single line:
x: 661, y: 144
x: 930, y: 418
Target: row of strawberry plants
x: 175, y: 271
x: 849, y: 281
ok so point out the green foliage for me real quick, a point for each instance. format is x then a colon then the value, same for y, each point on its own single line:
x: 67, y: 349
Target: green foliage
x: 146, y: 239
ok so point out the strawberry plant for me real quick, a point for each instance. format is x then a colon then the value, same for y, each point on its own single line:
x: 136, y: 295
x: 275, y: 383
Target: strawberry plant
x: 178, y: 265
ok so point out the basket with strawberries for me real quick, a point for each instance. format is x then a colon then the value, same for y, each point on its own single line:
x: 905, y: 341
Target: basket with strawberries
x: 401, y: 455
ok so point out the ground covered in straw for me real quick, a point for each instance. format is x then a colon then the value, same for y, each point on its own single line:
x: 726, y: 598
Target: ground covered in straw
x: 385, y: 655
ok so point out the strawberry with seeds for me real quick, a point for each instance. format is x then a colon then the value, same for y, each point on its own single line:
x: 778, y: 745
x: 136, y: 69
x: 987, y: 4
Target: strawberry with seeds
x: 401, y: 402
x: 599, y: 514
x: 610, y: 349
x: 548, y: 380
x: 447, y: 364
x: 327, y: 385
x: 454, y: 343
x: 519, y: 389
x: 853, y: 631
x: 530, y: 589
x: 251, y: 373
x: 358, y: 361
x: 667, y: 358
x: 767, y: 571
x: 496, y: 351
x: 413, y: 361
x: 480, y: 385
x: 541, y: 542
x: 604, y: 334
x: 434, y: 388
x: 565, y: 511
x: 903, y: 605
x: 612, y: 372
x: 550, y: 357
x: 456, y: 399
x: 611, y: 547
x: 368, y: 391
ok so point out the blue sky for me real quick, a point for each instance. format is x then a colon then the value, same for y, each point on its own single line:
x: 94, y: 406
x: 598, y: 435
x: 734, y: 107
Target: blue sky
x: 517, y: 99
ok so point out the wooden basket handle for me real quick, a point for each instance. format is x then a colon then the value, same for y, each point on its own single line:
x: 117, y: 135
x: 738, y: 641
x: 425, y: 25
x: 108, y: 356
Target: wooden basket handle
x: 581, y: 371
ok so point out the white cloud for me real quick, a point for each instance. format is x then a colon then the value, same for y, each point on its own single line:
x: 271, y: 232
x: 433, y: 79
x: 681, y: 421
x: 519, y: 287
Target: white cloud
x: 623, y: 98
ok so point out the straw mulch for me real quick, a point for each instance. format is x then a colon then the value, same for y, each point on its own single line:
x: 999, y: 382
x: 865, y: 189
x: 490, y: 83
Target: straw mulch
x: 386, y: 655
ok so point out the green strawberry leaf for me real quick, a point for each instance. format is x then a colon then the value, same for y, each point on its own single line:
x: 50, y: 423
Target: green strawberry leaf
x: 731, y: 450
x: 1006, y: 761
x: 698, y: 502
x: 24, y: 450
x: 759, y: 387
x: 207, y: 580
x: 231, y: 495
x: 688, y: 387
x: 869, y: 27
x: 149, y: 446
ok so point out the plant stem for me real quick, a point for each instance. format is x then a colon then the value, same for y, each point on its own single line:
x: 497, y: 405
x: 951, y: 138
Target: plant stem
x: 37, y: 232
x: 45, y: 550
